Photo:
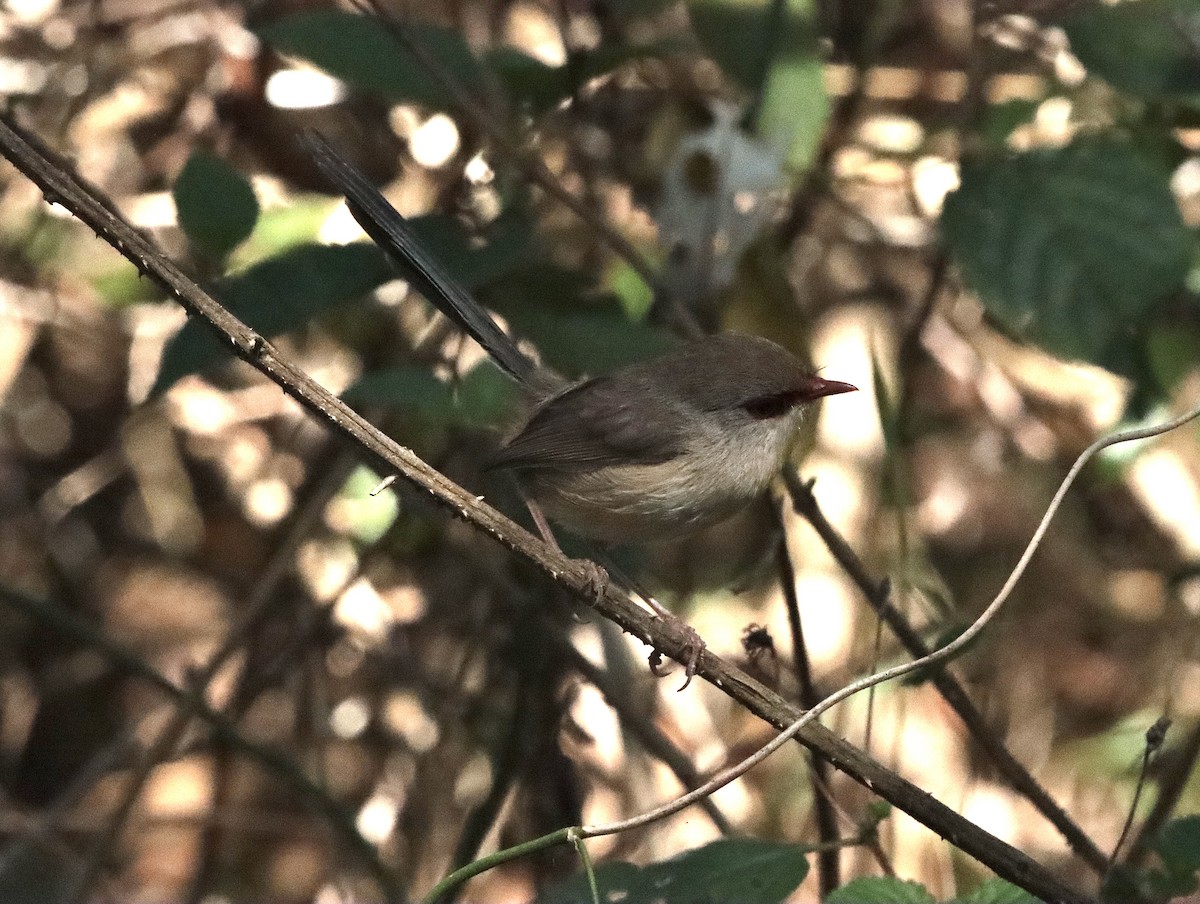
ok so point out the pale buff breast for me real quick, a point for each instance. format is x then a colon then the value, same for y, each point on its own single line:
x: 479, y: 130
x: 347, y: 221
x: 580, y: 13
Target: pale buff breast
x: 660, y: 502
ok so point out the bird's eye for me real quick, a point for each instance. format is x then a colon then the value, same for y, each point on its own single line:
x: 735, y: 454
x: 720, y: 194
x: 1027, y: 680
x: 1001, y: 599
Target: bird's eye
x: 766, y: 407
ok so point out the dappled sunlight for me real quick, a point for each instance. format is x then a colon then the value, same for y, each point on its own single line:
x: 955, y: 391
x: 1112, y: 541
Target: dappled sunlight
x: 303, y: 89
x: 388, y: 692
x: 827, y: 611
x: 843, y: 347
x: 1166, y: 484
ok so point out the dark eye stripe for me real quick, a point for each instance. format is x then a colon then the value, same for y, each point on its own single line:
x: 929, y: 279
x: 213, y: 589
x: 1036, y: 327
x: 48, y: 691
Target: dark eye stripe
x: 770, y: 406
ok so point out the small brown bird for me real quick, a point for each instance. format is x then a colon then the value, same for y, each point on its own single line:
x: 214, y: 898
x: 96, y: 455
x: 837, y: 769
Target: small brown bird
x: 649, y: 452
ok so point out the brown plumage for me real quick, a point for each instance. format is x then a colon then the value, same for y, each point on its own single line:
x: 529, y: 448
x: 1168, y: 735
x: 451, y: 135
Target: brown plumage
x: 645, y: 453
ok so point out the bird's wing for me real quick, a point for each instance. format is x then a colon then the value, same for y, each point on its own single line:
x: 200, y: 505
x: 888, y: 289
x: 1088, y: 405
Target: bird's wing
x: 591, y: 425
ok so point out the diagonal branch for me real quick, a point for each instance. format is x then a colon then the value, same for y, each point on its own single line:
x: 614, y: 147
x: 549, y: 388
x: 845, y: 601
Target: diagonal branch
x: 878, y: 595
x: 1171, y: 785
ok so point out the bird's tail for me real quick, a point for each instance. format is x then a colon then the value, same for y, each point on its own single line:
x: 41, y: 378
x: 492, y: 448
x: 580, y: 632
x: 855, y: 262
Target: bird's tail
x: 391, y: 232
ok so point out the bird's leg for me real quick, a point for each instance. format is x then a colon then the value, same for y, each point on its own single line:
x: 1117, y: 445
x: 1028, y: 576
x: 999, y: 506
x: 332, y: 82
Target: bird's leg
x: 693, y: 644
x: 598, y: 579
x: 595, y: 575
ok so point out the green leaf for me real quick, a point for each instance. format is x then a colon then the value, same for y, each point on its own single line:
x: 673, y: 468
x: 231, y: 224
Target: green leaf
x: 275, y: 296
x: 1179, y: 845
x: 362, y: 52
x: 612, y: 878
x: 574, y: 333
x: 281, y: 228
x: 285, y: 292
x: 1070, y: 248
x: 1124, y: 883
x: 886, y: 408
x: 215, y: 204
x: 876, y: 812
x: 1173, y: 351
x: 123, y: 286
x: 410, y: 387
x: 741, y: 36
x: 510, y: 243
x: 481, y: 399
x: 734, y: 869
x: 1147, y: 48
x: 1163, y: 885
x: 995, y: 890
x: 795, y: 107
x: 1000, y: 120
x: 368, y: 517
x: 592, y: 341
x: 878, y: 889
x: 535, y: 85
x: 635, y: 296
x: 540, y: 87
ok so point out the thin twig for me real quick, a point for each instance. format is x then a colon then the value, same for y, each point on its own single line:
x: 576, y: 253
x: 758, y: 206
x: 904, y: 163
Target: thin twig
x: 828, y: 861
x: 1170, y: 788
x: 533, y: 718
x: 71, y: 626
x: 328, y: 474
x: 647, y: 733
x: 44, y: 825
x: 1155, y: 735
x: 214, y: 829
x: 910, y: 345
x: 529, y: 165
x: 775, y: 28
x: 937, y: 657
x: 103, y: 843
x: 506, y: 765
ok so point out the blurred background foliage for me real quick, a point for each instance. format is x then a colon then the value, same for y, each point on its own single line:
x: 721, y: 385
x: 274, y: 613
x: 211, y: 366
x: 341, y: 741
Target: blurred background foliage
x: 984, y: 215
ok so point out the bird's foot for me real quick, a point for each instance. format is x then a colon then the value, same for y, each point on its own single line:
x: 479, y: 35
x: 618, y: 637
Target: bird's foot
x: 595, y: 577
x: 693, y: 648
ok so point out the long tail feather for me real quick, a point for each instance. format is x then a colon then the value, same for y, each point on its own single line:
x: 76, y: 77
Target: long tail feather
x: 391, y: 232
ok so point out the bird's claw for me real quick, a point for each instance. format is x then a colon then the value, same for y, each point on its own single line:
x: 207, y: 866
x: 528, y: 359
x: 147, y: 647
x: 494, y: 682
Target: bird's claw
x: 693, y: 647
x: 595, y: 577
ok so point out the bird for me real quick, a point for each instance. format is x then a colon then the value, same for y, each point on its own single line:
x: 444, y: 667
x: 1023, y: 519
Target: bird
x: 647, y: 453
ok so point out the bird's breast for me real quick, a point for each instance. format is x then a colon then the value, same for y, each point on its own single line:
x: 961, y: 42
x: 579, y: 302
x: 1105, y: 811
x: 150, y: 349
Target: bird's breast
x: 641, y: 503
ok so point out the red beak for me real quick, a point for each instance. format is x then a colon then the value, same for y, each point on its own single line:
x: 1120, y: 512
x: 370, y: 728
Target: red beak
x: 818, y: 387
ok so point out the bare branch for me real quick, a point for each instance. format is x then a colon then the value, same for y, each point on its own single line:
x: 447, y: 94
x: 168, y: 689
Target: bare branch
x: 878, y: 595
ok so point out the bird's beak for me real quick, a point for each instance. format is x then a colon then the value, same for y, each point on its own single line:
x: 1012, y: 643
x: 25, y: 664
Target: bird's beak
x: 818, y: 387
